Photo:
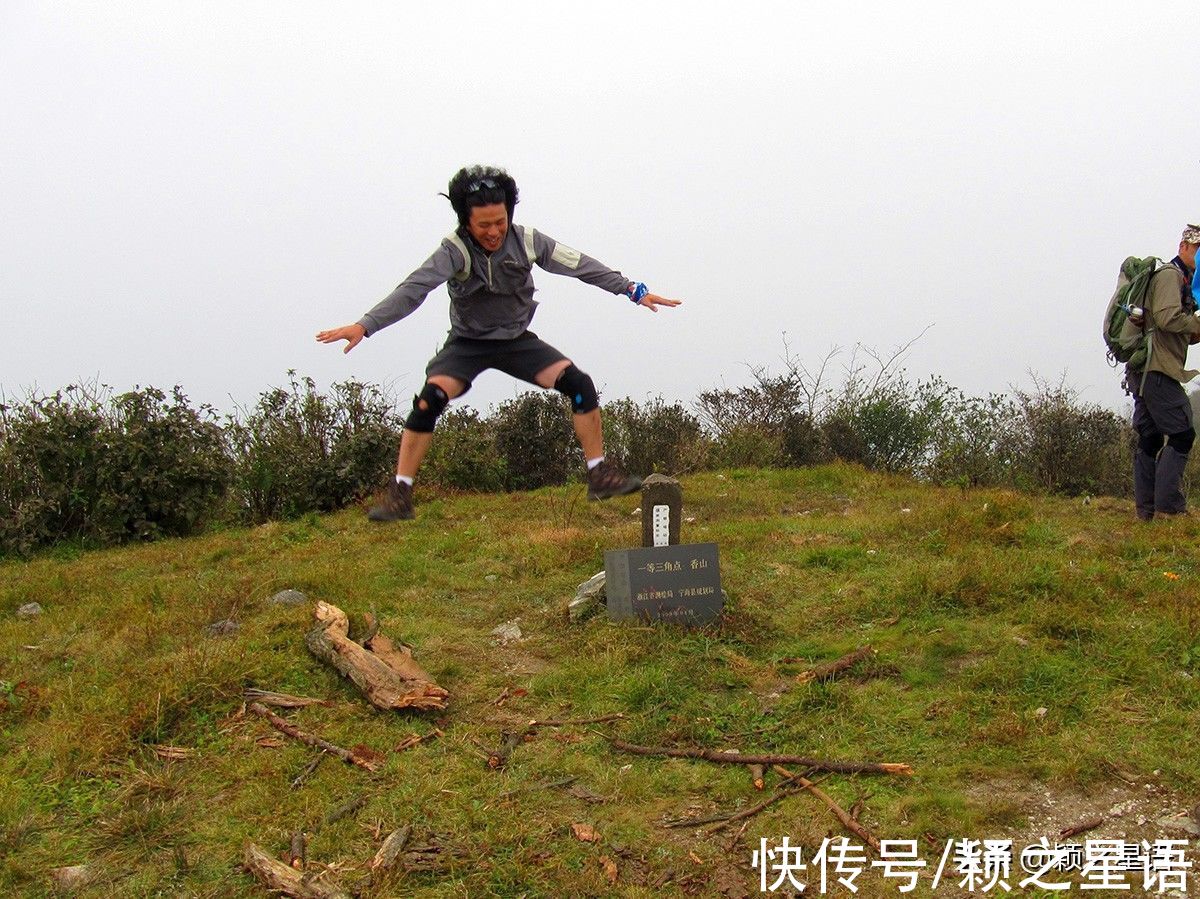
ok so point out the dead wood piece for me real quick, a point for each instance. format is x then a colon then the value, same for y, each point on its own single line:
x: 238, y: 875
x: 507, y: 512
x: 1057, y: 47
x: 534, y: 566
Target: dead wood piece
x: 848, y: 822
x: 390, y: 851
x: 758, y: 775
x: 498, y: 758
x: 173, y: 753
x: 737, y: 758
x: 386, y: 673
x: 277, y: 876
x: 346, y: 808
x: 833, y: 669
x: 298, y: 851
x: 350, y: 757
x: 281, y: 700
x: 1081, y: 827
x: 416, y: 739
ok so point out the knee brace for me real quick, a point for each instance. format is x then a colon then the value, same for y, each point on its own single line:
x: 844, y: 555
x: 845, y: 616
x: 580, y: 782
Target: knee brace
x: 1150, y: 443
x: 435, y: 400
x: 1182, y: 442
x: 579, y: 389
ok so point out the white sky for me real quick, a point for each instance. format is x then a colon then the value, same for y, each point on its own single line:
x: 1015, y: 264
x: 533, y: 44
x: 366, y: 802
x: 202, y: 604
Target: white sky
x: 190, y: 190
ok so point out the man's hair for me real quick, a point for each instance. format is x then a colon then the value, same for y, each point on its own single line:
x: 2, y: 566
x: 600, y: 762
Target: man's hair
x: 480, y: 185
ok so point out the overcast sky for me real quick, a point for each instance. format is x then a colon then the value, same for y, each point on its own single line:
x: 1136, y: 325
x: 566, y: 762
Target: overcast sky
x: 189, y: 191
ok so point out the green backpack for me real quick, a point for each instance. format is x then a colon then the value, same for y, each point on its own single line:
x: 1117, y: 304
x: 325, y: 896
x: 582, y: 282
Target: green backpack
x: 1126, y: 331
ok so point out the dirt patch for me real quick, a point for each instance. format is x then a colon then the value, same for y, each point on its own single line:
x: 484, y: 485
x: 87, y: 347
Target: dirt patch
x: 1129, y: 811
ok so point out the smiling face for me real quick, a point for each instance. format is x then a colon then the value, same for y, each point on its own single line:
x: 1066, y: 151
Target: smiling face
x: 489, y: 225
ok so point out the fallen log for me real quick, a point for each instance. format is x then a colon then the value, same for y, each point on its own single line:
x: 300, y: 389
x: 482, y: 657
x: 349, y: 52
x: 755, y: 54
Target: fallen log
x: 349, y: 756
x: 737, y: 758
x: 833, y: 669
x: 386, y: 673
x: 277, y: 876
x: 847, y: 821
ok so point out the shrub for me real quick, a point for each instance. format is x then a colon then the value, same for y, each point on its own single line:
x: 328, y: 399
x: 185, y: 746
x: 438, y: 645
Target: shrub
x: 535, y: 441
x: 299, y: 451
x: 463, y: 454
x: 82, y: 465
x: 977, y: 443
x: 1064, y: 446
x: 654, y: 436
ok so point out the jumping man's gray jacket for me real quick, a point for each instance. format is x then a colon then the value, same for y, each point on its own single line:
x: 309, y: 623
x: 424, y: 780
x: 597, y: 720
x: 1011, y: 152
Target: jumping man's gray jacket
x: 495, y: 300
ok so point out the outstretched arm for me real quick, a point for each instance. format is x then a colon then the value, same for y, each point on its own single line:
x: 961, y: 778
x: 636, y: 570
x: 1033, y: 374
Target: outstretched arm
x: 637, y: 292
x: 352, y: 333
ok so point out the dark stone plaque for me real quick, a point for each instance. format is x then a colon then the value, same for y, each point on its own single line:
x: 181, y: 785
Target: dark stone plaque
x: 681, y: 583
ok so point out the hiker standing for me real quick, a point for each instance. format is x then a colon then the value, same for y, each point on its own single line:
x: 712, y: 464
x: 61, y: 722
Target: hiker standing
x: 487, y: 265
x: 1162, y: 414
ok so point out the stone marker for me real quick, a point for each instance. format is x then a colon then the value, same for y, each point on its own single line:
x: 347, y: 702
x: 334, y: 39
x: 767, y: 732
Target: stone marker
x: 664, y: 583
x: 662, y: 505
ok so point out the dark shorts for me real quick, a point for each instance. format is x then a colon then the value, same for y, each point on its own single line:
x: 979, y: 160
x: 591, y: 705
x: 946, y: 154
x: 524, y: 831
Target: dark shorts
x: 465, y: 357
x: 1163, y: 407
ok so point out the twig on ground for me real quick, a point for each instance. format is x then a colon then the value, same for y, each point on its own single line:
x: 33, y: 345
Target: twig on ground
x: 346, y: 808
x: 348, y: 756
x: 498, y: 758
x: 1082, y: 827
x: 312, y: 766
x: 732, y: 758
x: 281, y: 700
x: 416, y: 740
x: 758, y: 776
x: 833, y: 669
x: 529, y: 788
x: 569, y: 722
x: 847, y: 821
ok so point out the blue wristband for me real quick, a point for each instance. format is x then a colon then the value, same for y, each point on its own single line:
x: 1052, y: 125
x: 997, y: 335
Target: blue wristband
x: 636, y: 291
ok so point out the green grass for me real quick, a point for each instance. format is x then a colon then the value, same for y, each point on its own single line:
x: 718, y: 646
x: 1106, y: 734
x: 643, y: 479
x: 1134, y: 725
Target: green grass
x: 983, y: 606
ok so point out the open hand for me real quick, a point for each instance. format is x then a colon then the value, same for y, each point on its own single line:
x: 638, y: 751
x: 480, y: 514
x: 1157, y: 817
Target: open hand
x: 353, y: 333
x: 652, y: 301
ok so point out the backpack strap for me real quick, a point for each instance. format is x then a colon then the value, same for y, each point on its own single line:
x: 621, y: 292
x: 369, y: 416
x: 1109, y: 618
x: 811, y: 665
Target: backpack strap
x: 527, y: 240
x: 461, y: 246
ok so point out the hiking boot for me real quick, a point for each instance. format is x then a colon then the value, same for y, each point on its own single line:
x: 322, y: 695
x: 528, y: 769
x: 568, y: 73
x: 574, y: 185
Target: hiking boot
x: 397, y: 504
x: 607, y: 479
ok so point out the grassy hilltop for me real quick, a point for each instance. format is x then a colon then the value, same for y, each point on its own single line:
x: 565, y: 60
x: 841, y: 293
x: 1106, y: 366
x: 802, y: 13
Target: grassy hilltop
x: 1036, y: 664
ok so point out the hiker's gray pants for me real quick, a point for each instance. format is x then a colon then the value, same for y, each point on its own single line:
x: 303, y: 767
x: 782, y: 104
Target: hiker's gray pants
x: 1162, y: 417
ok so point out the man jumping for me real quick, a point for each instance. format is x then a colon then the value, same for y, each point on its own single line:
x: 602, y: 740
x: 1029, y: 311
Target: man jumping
x: 487, y: 266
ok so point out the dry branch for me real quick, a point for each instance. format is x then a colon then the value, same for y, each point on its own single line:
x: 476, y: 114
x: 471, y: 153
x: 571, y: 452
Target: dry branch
x: 1082, y: 827
x: 568, y: 722
x: 833, y: 669
x: 498, y: 758
x: 416, y: 740
x: 731, y: 758
x: 386, y: 673
x: 308, y: 770
x: 758, y: 775
x: 350, y: 757
x: 847, y: 821
x: 281, y: 700
x: 277, y: 876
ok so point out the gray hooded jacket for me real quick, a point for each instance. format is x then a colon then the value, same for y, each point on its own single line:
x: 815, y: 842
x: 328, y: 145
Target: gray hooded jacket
x: 495, y: 301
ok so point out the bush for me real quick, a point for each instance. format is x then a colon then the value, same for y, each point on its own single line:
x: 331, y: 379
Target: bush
x: 653, y: 437
x: 977, y: 444
x: 463, y: 454
x: 1063, y: 446
x: 299, y: 451
x: 535, y: 441
x: 82, y: 465
x: 890, y: 427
